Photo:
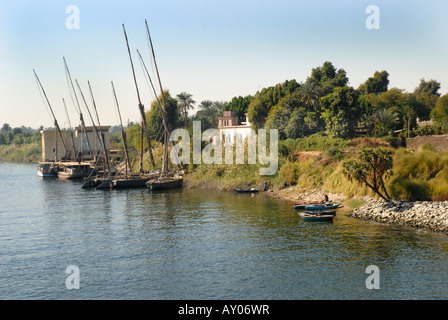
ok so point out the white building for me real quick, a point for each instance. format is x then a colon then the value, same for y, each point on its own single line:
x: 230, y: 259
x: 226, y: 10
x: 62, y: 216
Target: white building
x: 53, y: 149
x: 229, y: 128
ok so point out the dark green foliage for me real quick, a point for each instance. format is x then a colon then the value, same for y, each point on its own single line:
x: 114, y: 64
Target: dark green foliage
x: 376, y: 84
x: 154, y: 116
x: 19, y: 136
x: 327, y: 78
x: 341, y: 112
x: 431, y: 87
x: 440, y: 112
x: 266, y: 99
x: 239, y: 106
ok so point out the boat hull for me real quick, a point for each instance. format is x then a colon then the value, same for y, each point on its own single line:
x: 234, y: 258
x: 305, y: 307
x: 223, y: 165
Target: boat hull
x: 46, y: 175
x: 46, y: 170
x: 322, y: 207
x: 316, y: 217
x: 164, y: 184
x: 246, y: 190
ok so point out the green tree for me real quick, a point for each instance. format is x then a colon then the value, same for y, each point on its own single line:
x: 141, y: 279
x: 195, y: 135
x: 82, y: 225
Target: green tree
x: 154, y: 116
x: 432, y: 87
x: 5, y: 128
x: 267, y: 98
x: 239, y: 106
x: 341, y: 112
x: 328, y: 78
x: 371, y: 168
x: 297, y: 126
x: 440, y: 112
x: 220, y: 105
x: 207, y: 114
x: 185, y: 103
x: 385, y: 121
x: 278, y: 118
x: 310, y: 94
x: 376, y: 84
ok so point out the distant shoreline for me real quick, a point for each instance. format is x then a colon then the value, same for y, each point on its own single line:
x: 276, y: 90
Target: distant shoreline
x: 26, y: 154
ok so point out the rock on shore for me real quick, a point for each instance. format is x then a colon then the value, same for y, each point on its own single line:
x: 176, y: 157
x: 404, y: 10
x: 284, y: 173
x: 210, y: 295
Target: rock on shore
x: 420, y: 214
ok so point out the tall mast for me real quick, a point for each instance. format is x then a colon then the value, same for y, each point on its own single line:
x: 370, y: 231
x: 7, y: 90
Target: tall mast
x: 71, y: 132
x: 164, y: 120
x: 54, y: 118
x: 106, y: 158
x: 123, y: 134
x: 140, y: 105
x: 81, y: 118
x: 165, y: 158
x: 91, y: 118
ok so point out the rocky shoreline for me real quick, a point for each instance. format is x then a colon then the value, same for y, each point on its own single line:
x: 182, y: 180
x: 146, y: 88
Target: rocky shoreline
x: 431, y: 215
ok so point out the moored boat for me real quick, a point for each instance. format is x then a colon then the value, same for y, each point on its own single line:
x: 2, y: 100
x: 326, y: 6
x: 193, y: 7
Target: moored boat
x: 74, y: 170
x: 321, y: 212
x: 46, y: 170
x: 126, y: 182
x: 316, y: 217
x: 164, y: 183
x: 251, y: 190
x: 302, y: 205
x: 323, y: 206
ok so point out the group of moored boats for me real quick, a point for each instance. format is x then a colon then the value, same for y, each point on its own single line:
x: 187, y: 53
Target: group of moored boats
x: 317, y: 210
x: 94, y: 178
x: 105, y: 178
x: 65, y: 170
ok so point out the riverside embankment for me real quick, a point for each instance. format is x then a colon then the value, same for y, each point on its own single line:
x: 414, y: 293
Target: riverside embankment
x: 431, y: 215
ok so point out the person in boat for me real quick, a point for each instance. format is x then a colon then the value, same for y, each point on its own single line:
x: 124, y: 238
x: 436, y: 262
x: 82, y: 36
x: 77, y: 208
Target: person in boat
x: 325, y: 197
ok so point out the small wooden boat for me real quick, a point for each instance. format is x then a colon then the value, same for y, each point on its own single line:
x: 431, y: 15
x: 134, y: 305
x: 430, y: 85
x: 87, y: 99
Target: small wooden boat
x: 316, y: 217
x: 251, y: 190
x: 321, y: 212
x: 302, y: 205
x: 324, y: 206
x: 46, y: 170
x: 74, y: 170
x: 92, y: 183
x: 164, y: 183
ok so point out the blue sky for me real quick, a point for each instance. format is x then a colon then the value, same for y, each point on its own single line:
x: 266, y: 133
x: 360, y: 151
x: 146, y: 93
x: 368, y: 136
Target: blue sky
x: 213, y: 49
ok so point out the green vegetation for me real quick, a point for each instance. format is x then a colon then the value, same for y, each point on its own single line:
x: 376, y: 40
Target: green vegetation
x: 24, y: 153
x: 420, y: 175
x: 370, y: 169
x: 20, y: 144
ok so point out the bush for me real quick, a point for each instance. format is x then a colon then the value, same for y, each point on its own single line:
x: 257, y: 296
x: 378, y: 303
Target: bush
x: 419, y: 176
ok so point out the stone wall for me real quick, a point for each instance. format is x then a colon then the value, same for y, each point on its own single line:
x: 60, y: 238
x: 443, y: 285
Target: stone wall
x: 440, y: 143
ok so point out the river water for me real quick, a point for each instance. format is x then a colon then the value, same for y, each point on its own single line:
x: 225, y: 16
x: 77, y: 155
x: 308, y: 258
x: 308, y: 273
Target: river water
x: 197, y: 244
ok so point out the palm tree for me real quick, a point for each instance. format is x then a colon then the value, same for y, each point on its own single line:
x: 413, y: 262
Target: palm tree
x: 208, y: 113
x: 205, y: 105
x: 310, y: 94
x: 220, y: 105
x: 186, y: 103
x: 386, y: 120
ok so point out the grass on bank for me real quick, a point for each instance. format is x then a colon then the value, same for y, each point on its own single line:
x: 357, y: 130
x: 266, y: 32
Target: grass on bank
x: 26, y: 153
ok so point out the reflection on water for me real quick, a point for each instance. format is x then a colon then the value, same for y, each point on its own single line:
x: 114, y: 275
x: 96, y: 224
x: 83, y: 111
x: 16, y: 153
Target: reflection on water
x: 196, y: 244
